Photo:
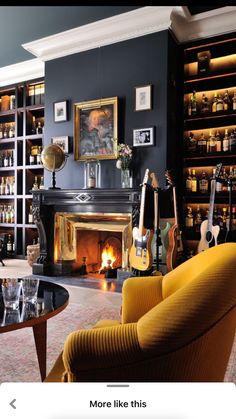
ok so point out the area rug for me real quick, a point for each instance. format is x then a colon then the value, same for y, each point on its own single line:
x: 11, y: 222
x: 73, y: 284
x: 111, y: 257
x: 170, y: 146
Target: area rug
x: 18, y: 360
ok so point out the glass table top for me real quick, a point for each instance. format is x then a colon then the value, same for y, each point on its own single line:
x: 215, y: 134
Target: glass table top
x: 51, y: 299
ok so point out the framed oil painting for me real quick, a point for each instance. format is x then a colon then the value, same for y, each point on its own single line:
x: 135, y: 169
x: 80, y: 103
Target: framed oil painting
x: 95, y: 129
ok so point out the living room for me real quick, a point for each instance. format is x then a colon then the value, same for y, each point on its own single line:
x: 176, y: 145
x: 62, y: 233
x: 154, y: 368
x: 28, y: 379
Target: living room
x: 117, y: 193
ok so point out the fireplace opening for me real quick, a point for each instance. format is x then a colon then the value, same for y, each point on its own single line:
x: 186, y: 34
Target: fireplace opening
x: 95, y: 245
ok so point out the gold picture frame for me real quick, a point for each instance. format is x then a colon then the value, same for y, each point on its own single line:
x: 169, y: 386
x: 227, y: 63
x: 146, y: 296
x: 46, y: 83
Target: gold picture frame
x: 95, y: 129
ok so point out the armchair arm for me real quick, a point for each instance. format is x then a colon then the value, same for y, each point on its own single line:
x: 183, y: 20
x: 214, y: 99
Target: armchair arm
x: 102, y: 348
x: 139, y: 295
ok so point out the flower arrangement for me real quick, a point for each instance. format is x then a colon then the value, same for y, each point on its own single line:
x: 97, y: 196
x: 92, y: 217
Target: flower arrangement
x: 125, y: 154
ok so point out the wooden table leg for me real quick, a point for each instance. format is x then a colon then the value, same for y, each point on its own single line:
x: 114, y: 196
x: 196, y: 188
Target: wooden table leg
x: 40, y: 338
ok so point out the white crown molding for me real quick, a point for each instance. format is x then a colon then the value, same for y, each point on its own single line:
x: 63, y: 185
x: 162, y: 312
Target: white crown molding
x: 139, y: 22
x: 203, y: 25
x: 25, y: 70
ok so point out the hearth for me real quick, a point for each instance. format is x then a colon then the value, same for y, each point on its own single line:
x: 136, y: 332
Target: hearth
x: 76, y: 226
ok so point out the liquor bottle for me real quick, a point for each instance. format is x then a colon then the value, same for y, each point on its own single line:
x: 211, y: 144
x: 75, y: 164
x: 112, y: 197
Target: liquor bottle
x: 226, y: 141
x: 11, y: 132
x: 234, y: 101
x: 12, y: 186
x: 35, y: 184
x: 213, y: 176
x: 194, y: 104
x: 30, y: 215
x: 12, y: 102
x: 219, y: 185
x: 189, y: 182
x: 33, y: 126
x: 39, y: 129
x: 1, y: 131
x: 38, y: 157
x: 202, y: 145
x: 194, y: 182
x: 224, y: 218
x: 4, y: 214
x: 219, y: 104
x: 215, y: 216
x: 2, y: 187
x: 232, y: 142
x: 6, y: 130
x: 212, y: 144
x: 12, y: 215
x: 5, y: 160
x: 218, y: 142
x: 11, y: 159
x: 205, y: 105
x: 7, y: 216
x: 31, y: 157
x: 7, y: 187
x: 203, y: 183
x: 9, y: 244
x: 198, y: 220
x: 192, y: 144
x: 214, y: 103
x: 225, y: 178
x: 189, y: 108
x: 41, y: 185
x: 226, y: 101
x: 189, y: 218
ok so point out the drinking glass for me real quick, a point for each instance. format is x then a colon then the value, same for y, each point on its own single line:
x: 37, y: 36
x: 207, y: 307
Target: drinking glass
x: 10, y: 316
x: 11, y: 289
x: 30, y: 289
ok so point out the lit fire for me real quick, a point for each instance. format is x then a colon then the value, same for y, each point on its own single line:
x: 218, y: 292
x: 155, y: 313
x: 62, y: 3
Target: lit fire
x: 108, y: 257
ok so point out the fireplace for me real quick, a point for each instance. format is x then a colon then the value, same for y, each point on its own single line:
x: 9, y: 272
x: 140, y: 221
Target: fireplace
x: 75, y: 226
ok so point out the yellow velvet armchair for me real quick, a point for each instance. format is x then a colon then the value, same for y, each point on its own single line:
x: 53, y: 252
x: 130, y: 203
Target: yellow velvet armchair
x: 179, y: 327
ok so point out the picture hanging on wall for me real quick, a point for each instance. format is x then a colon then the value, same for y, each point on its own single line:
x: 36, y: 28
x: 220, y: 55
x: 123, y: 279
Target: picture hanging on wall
x: 95, y: 129
x: 60, y: 111
x: 143, y: 137
x: 63, y: 142
x: 143, y: 98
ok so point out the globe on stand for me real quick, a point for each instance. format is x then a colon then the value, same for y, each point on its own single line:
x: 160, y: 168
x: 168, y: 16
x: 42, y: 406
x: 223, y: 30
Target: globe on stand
x: 53, y: 159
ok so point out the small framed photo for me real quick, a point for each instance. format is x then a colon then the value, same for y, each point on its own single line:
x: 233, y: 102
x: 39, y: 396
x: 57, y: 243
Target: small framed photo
x: 60, y: 111
x: 143, y: 137
x: 143, y: 98
x: 63, y: 142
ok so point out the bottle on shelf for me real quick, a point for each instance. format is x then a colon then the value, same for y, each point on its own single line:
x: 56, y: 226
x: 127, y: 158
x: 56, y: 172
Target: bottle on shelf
x: 35, y: 184
x: 2, y: 186
x: 212, y: 144
x: 194, y: 181
x: 12, y: 215
x: 224, y: 218
x: 31, y: 157
x: 1, y: 131
x: 232, y: 142
x: 225, y: 178
x: 203, y: 183
x: 202, y: 144
x: 198, y: 220
x: 6, y: 130
x: 30, y: 215
x: 193, y: 104
x: 205, y: 105
x: 189, y: 218
x: 214, y: 103
x: 234, y: 218
x: 41, y: 185
x: 38, y: 156
x: 234, y: 101
x: 189, y: 182
x: 11, y: 131
x: 12, y: 185
x: 39, y: 129
x: 10, y: 247
x: 33, y: 126
x: 7, y: 187
x: 226, y: 141
x: 5, y: 160
x: 12, y: 102
x: 226, y: 101
x: 219, y: 104
x: 218, y: 142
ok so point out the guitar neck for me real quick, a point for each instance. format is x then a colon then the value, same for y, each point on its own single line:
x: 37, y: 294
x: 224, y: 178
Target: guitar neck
x: 211, y: 205
x: 175, y: 205
x: 141, y: 216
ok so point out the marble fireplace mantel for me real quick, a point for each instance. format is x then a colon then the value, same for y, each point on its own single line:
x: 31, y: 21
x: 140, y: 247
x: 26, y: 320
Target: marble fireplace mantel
x: 46, y: 203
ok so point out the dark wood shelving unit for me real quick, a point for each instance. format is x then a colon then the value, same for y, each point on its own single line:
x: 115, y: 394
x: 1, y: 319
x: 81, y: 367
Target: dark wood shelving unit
x: 220, y: 76
x: 24, y: 115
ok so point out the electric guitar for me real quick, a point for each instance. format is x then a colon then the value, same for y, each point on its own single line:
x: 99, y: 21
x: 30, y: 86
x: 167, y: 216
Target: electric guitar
x: 140, y: 252
x: 174, y: 254
x: 209, y: 233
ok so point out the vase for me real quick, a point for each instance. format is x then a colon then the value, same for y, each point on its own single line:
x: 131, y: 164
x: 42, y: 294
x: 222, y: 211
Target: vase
x: 125, y: 178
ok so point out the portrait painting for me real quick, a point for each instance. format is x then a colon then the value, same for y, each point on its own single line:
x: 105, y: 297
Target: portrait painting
x: 95, y: 129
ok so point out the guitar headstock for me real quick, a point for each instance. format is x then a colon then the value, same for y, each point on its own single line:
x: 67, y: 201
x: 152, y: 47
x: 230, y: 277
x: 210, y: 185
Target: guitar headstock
x: 218, y: 170
x: 155, y: 182
x: 169, y: 177
x: 145, y: 179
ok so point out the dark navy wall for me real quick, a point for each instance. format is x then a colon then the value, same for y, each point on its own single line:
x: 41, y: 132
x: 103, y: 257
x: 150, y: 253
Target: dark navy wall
x: 110, y: 71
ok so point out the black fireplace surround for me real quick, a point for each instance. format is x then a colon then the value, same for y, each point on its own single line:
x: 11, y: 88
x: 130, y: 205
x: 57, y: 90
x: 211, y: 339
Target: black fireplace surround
x: 46, y: 203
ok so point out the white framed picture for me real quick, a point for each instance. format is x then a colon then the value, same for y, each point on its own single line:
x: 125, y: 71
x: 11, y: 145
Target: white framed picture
x: 143, y: 137
x: 60, y: 111
x: 63, y: 142
x: 143, y: 98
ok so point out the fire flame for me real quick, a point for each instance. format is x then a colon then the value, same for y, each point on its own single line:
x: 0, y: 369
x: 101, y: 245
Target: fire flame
x: 107, y: 255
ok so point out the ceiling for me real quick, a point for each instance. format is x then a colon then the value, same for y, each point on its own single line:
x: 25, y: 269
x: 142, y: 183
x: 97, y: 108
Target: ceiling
x: 32, y: 35
x: 22, y: 24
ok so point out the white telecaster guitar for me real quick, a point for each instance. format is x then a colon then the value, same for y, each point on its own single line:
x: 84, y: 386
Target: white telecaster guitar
x: 208, y: 231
